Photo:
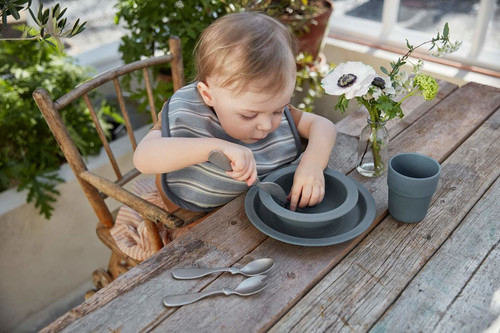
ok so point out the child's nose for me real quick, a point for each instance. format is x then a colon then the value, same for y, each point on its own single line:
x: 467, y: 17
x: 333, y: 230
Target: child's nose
x: 265, y: 124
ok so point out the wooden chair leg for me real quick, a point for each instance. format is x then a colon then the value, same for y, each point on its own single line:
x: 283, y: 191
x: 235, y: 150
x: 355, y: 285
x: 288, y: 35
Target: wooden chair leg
x: 117, y: 266
x: 101, y: 278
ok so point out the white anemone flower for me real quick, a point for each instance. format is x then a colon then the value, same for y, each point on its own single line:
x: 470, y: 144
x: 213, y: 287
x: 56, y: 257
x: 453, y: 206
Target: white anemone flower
x: 352, y: 78
x: 383, y: 86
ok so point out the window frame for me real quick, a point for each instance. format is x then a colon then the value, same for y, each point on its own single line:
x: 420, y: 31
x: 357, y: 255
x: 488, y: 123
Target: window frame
x: 387, y: 34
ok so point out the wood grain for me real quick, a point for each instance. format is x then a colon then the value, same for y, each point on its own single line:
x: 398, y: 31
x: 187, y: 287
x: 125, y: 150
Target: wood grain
x: 359, y: 289
x: 453, y: 292
x: 477, y: 306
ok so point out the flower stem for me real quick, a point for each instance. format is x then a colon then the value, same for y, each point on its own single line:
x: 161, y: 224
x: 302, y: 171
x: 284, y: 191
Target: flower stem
x: 374, y: 124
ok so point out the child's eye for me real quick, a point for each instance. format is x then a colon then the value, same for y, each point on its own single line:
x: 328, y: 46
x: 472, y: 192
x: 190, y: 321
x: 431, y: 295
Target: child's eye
x: 248, y: 117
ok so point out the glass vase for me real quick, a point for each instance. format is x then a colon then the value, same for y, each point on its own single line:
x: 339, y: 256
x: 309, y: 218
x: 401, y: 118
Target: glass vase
x: 372, y: 149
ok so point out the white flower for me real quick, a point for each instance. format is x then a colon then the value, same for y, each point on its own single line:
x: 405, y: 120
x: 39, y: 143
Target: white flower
x: 352, y: 78
x: 385, y: 87
x: 401, y: 83
x: 417, y: 68
x: 447, y: 48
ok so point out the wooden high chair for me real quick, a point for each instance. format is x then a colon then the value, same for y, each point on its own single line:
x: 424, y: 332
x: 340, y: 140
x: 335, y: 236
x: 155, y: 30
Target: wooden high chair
x: 97, y: 188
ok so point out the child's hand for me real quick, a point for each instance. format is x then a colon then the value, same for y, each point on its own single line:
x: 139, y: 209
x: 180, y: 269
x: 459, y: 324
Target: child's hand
x: 308, y: 186
x: 243, y: 164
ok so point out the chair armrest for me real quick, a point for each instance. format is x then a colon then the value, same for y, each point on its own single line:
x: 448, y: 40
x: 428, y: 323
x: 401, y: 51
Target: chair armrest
x: 147, y: 210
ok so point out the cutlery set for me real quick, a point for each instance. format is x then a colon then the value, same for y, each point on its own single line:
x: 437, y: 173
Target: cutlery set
x: 252, y: 285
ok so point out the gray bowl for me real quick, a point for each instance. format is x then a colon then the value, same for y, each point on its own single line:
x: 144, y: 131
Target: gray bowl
x: 341, y: 195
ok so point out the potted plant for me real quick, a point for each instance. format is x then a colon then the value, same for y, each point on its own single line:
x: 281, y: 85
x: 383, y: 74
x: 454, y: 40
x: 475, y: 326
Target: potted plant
x: 308, y: 19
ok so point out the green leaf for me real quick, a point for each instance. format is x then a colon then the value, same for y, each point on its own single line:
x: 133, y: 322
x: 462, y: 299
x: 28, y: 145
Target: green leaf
x: 61, y: 24
x: 33, y: 16
x: 13, y: 11
x: 342, y: 103
x: 40, y: 13
x: 55, y: 10
x: 384, y: 70
x: 75, y: 27
x: 80, y: 29
x: 446, y: 30
x: 62, y: 13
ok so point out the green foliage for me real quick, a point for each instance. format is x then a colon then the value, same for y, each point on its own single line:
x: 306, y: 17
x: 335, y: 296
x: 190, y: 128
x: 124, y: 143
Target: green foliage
x: 150, y: 23
x: 51, y: 22
x: 29, y: 154
x: 309, y: 76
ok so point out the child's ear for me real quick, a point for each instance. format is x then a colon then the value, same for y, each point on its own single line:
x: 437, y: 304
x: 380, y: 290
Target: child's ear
x: 205, y: 93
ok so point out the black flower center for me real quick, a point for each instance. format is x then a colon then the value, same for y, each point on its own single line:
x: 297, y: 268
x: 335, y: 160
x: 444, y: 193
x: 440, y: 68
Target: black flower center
x: 346, y: 80
x: 379, y: 82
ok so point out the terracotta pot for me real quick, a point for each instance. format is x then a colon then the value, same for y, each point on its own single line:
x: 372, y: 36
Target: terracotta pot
x: 312, y: 41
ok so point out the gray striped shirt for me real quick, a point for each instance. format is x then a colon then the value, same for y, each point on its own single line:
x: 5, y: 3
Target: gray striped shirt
x: 202, y: 187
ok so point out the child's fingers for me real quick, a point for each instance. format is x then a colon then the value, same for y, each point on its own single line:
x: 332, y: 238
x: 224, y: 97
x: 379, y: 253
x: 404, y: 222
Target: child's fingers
x: 317, y: 195
x: 294, y: 197
x: 252, y: 179
x: 305, y: 197
x: 248, y: 175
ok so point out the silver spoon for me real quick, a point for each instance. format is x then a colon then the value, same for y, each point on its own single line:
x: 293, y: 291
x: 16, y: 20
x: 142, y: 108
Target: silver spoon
x: 256, y: 267
x: 219, y: 159
x: 247, y: 287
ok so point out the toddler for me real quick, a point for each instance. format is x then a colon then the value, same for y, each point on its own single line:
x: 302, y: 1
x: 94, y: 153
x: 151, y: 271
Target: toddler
x: 238, y: 104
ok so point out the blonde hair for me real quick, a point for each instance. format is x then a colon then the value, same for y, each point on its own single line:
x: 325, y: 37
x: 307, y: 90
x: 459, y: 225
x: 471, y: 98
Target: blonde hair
x: 241, y: 48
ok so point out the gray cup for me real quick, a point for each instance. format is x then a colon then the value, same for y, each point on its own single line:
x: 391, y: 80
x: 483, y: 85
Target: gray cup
x: 412, y: 180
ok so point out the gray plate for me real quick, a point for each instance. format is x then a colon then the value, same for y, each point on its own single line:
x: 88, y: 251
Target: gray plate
x: 346, y: 228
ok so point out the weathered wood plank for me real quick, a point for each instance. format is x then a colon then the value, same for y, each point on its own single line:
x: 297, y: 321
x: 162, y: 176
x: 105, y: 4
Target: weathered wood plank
x: 300, y: 268
x: 211, y: 245
x: 343, y: 157
x: 476, y: 308
x: 439, y: 298
x: 414, y: 107
x: 361, y: 287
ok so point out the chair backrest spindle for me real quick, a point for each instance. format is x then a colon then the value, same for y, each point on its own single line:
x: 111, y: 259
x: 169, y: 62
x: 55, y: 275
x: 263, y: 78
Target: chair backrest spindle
x: 126, y: 117
x: 149, y: 90
x: 102, y: 136
x: 174, y: 44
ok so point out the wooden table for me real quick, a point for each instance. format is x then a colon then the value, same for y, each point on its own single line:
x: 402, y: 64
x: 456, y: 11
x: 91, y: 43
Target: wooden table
x: 441, y: 274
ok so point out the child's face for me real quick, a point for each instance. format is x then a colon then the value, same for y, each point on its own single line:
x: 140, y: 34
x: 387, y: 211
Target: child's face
x: 248, y: 116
